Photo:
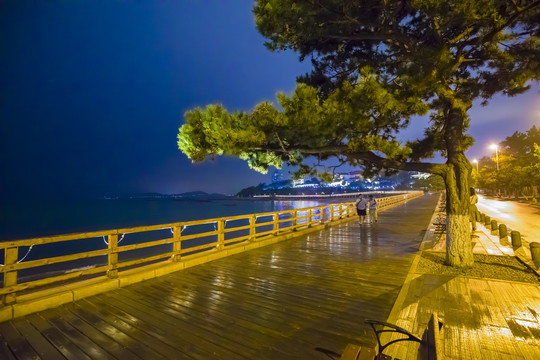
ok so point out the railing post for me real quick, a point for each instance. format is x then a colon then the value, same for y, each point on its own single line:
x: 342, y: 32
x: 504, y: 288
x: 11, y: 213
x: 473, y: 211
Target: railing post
x: 10, y: 277
x: 276, y: 224
x: 177, y: 243
x: 252, y: 221
x: 322, y: 214
x: 113, y: 256
x: 295, y: 220
x: 310, y: 219
x: 221, y: 234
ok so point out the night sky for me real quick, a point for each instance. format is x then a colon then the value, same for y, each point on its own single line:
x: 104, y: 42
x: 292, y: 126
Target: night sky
x: 93, y: 93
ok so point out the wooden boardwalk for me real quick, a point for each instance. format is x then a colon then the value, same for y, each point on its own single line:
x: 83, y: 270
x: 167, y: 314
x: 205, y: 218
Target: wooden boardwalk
x: 276, y: 302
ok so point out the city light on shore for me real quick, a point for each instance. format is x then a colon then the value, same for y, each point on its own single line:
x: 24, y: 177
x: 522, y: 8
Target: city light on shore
x: 476, y: 162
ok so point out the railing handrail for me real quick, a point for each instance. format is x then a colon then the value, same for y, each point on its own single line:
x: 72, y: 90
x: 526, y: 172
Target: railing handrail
x: 304, y: 217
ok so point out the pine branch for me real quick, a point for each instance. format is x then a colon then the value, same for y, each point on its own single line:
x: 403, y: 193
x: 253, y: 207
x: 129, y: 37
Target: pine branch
x: 364, y: 156
x: 404, y: 40
x: 489, y: 36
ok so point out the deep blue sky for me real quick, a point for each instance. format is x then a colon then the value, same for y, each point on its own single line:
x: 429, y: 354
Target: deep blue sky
x: 93, y: 92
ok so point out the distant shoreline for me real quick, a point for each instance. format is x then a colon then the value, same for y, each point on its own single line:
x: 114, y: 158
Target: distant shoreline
x: 328, y: 196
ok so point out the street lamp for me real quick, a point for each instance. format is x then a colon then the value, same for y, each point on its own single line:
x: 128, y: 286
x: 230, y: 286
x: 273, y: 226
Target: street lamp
x: 494, y: 147
x: 476, y: 162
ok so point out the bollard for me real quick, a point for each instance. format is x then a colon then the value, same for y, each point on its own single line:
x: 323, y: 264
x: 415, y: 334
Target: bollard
x: 535, y: 253
x: 482, y: 218
x: 487, y: 220
x: 494, y: 227
x: 516, y: 239
x: 503, y: 235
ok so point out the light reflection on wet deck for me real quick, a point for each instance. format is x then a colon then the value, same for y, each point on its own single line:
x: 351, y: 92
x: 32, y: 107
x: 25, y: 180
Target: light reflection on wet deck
x: 277, y: 302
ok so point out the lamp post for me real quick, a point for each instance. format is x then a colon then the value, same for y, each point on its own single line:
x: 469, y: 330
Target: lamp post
x: 476, y: 162
x: 494, y: 147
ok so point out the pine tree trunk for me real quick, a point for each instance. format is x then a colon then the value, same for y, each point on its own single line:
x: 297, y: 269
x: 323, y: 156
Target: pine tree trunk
x: 457, y: 174
x: 458, y: 228
x: 458, y: 241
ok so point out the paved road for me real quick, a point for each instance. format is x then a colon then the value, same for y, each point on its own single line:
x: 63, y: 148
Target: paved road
x: 517, y: 216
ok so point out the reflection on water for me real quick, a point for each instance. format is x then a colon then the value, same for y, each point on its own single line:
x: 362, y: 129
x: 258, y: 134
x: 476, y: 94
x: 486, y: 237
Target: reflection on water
x: 222, y: 279
x: 340, y: 240
x: 182, y: 296
x: 366, y: 239
x: 273, y: 257
x: 297, y: 204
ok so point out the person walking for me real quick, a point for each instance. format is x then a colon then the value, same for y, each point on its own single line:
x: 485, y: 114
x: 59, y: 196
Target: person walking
x: 361, y: 208
x: 373, y: 216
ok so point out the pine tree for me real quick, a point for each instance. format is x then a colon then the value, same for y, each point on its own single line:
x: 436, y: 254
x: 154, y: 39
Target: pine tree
x: 375, y: 65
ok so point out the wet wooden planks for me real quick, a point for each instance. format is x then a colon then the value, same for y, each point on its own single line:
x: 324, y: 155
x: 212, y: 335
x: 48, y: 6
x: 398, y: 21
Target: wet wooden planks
x: 483, y: 318
x: 277, y: 302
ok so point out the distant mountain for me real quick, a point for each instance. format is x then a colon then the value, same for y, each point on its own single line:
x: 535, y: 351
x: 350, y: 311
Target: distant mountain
x: 199, y: 195
x: 192, y: 195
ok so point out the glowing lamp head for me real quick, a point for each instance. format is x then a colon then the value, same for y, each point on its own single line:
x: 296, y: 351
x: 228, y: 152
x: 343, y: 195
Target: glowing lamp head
x: 475, y: 161
x: 493, y: 146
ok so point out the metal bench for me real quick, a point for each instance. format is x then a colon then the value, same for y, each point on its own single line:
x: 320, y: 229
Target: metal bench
x: 430, y: 344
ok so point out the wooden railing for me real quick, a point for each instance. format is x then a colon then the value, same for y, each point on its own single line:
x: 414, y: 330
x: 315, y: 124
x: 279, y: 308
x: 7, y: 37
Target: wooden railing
x: 140, y: 246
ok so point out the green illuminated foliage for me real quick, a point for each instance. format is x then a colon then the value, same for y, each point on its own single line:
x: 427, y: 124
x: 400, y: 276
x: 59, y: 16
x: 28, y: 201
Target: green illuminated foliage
x: 354, y: 120
x: 519, y: 164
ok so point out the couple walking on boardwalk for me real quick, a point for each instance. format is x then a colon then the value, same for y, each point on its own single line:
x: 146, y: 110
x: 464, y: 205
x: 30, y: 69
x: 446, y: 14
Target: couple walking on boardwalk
x: 362, y: 205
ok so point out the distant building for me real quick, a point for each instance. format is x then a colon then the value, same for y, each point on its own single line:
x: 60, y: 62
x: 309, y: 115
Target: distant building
x: 298, y: 182
x: 352, y: 176
x: 277, y: 176
x: 337, y: 183
x: 420, y: 175
x: 306, y: 183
